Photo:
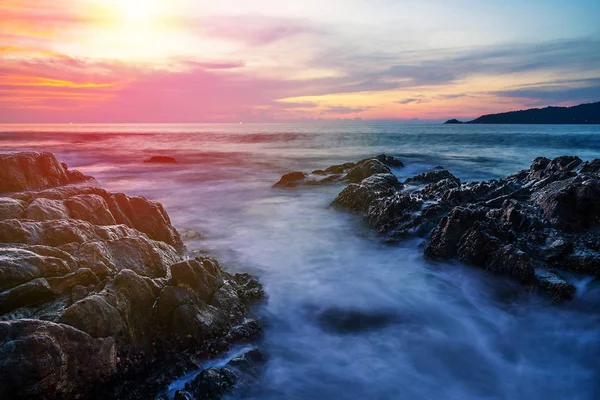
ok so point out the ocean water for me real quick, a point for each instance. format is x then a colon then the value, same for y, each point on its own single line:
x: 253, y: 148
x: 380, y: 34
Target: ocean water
x: 349, y: 316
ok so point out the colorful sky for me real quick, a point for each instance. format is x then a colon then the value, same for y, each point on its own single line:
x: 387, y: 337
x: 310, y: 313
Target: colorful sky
x: 283, y: 60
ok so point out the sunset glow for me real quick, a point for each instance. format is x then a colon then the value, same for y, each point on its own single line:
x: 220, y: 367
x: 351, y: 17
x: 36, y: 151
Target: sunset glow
x: 201, y: 61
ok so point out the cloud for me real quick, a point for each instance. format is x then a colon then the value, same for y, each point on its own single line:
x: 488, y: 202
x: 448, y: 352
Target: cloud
x: 558, y: 92
x: 253, y: 30
x: 410, y: 101
x: 344, y: 110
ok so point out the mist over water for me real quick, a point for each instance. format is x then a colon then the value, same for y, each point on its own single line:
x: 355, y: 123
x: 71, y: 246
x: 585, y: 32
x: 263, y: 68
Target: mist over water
x: 349, y: 316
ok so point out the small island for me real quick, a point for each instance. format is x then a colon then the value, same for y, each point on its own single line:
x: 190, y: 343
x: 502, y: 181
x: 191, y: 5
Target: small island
x: 581, y: 114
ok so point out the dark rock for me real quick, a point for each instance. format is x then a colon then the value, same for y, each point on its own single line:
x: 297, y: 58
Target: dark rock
x: 359, y: 197
x: 64, y: 284
x: 557, y: 288
x: 389, y: 161
x: 292, y: 179
x: 161, y: 160
x: 572, y: 204
x: 28, y: 294
x: 433, y: 177
x: 212, y: 384
x: 365, y: 169
x: 591, y: 167
x: 40, y: 359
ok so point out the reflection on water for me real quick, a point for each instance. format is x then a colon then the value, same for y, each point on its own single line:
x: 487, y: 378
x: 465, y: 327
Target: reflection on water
x: 348, y: 316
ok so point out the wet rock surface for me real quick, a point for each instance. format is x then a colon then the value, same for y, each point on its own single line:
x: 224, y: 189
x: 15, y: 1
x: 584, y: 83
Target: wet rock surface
x: 348, y: 172
x: 97, y: 298
x: 536, y: 226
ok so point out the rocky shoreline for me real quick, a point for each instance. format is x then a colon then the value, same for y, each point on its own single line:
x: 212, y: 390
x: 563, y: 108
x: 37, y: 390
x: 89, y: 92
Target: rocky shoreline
x: 538, y: 226
x: 98, y: 297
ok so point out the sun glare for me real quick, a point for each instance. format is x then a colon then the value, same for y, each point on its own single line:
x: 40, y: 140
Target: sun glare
x: 138, y: 10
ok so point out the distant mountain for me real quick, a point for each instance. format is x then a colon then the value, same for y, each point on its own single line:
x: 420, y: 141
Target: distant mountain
x: 581, y: 114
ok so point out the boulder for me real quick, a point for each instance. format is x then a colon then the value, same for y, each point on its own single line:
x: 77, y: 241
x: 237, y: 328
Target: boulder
x: 31, y: 170
x: 212, y: 384
x: 42, y: 209
x: 144, y: 256
x: 292, y: 179
x: 31, y: 293
x: 11, y: 208
x: 91, y: 208
x: 359, y: 197
x: 365, y: 169
x: 572, y: 204
x: 433, y: 177
x: 389, y: 161
x: 41, y: 359
x: 19, y: 265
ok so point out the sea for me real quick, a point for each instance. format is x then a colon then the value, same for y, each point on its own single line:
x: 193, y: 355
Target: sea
x: 349, y: 315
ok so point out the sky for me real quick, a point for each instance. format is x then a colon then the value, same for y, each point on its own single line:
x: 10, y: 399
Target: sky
x: 145, y: 61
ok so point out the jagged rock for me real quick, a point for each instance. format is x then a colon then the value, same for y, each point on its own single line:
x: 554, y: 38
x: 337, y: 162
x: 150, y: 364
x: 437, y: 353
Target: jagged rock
x: 366, y: 168
x: 202, y: 276
x: 46, y: 209
x: 591, y: 167
x: 292, y: 179
x: 81, y: 277
x: 139, y: 213
x: 212, y: 384
x: 359, y: 197
x: 390, y: 161
x: 554, y: 285
x: 29, y: 171
x: 19, y: 265
x: 106, y: 267
x: 40, y: 359
x: 11, y: 208
x: 433, y: 177
x: 445, y: 238
x: 394, y: 213
x: 144, y: 256
x: 571, y: 204
x: 30, y: 293
x: 91, y: 208
x: 59, y: 232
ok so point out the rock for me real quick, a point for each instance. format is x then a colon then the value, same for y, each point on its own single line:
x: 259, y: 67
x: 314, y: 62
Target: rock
x: 365, y: 169
x: 46, y: 209
x: 433, y: 177
x: 20, y: 265
x: 30, y: 171
x: 445, y: 238
x: 572, y: 204
x: 591, y: 167
x: 11, y: 208
x: 107, y: 268
x: 78, y: 293
x: 202, y: 276
x: 91, y: 208
x: 292, y: 179
x: 28, y: 294
x: 183, y: 395
x: 557, y: 288
x: 64, y: 284
x: 40, y: 359
x: 390, y: 161
x: 359, y: 197
x: 212, y: 384
x: 161, y: 160
x: 144, y: 256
